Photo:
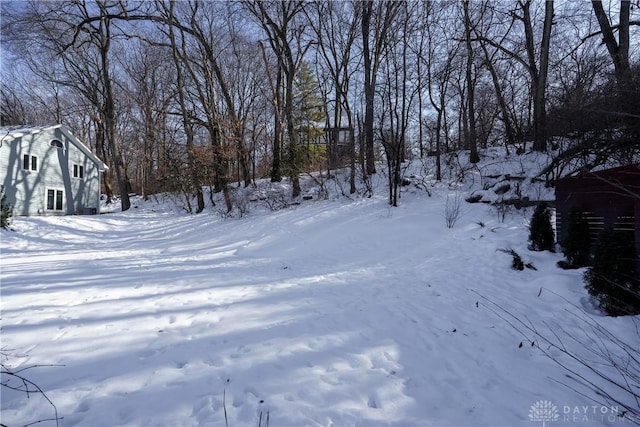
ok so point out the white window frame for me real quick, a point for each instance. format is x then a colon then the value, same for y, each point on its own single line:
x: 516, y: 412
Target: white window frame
x: 78, y: 171
x: 56, y: 191
x: 31, y: 158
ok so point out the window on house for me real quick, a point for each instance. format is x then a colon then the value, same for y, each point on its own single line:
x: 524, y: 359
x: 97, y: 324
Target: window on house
x: 29, y: 162
x: 78, y: 171
x: 56, y: 143
x: 54, y: 199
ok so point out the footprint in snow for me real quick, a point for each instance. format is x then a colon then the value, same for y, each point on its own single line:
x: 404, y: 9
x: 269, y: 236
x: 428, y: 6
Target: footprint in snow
x: 83, y: 407
x: 373, y: 402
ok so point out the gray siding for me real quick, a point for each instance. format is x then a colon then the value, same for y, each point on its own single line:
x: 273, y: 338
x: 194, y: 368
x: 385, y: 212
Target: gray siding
x: 29, y: 190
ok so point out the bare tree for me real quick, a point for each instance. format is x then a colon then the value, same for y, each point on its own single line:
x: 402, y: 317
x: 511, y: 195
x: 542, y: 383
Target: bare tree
x: 13, y: 108
x: 471, y: 113
x: 539, y: 75
x: 536, y: 63
x: 102, y: 37
x: 178, y: 44
x: 149, y: 89
x: 335, y: 26
x: 245, y: 76
x: 439, y: 60
x: 397, y: 95
x: 277, y: 103
x: 222, y: 118
x: 618, y: 49
x: 278, y: 19
x: 489, y: 62
x: 377, y: 19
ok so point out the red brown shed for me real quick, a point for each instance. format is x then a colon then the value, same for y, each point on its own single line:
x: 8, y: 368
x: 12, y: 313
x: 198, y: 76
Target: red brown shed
x: 609, y: 198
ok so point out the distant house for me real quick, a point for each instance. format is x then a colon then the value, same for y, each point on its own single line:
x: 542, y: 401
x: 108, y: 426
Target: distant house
x: 610, y: 199
x: 48, y: 171
x: 338, y: 143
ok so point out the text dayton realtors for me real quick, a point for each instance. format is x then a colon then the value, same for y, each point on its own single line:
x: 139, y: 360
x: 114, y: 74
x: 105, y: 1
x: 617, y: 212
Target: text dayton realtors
x: 594, y: 413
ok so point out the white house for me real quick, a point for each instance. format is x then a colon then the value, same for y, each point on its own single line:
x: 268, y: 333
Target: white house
x: 48, y: 171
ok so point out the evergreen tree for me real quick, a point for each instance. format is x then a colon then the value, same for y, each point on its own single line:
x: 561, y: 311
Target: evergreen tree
x: 6, y: 210
x: 309, y: 106
x: 309, y: 114
x: 612, y: 279
x: 541, y: 233
x: 576, y: 244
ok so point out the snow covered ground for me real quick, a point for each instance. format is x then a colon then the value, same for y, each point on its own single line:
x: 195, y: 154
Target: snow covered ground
x: 339, y: 312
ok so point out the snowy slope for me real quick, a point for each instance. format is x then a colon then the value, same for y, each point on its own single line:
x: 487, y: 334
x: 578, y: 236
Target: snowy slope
x: 331, y: 313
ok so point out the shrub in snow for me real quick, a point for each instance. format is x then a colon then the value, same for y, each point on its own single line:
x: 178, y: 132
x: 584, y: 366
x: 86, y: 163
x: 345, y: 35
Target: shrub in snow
x: 6, y: 210
x: 517, y: 263
x: 576, y: 244
x: 502, y: 209
x: 612, y: 278
x: 452, y: 210
x: 541, y: 233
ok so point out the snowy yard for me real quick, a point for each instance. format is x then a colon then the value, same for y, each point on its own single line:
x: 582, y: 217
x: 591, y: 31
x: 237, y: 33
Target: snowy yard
x: 330, y: 313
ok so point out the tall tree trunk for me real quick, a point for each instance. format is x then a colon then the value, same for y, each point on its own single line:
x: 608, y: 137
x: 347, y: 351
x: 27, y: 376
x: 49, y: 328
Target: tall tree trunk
x: 538, y: 76
x: 618, y: 50
x: 109, y: 111
x: 369, y: 88
x: 473, y: 145
x: 103, y: 153
x: 243, y: 160
x: 149, y: 143
x: 276, y: 91
x: 420, y: 107
x: 352, y: 153
x: 294, y: 170
x: 439, y: 146
x: 540, y: 110
x: 276, y: 163
x: 385, y: 12
x: 186, y: 117
x: 337, y: 124
x: 502, y: 103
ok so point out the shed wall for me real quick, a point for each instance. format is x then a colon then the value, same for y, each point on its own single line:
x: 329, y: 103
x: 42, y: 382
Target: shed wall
x: 610, y: 199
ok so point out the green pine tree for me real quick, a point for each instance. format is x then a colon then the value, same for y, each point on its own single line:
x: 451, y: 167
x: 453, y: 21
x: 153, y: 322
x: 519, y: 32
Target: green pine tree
x: 6, y: 210
x: 309, y: 116
x: 541, y: 233
x: 309, y: 113
x: 612, y: 278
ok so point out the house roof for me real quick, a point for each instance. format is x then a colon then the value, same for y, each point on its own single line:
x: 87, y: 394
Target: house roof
x: 624, y: 180
x: 617, y: 172
x: 9, y: 133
